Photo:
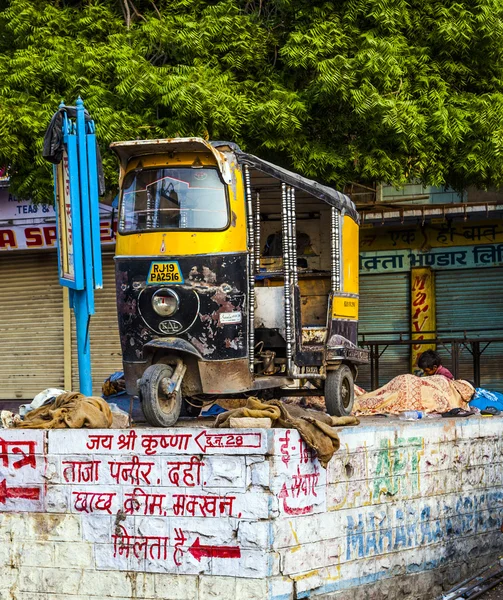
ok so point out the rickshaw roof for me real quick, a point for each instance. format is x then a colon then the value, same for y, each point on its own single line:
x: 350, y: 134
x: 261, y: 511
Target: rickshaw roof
x: 321, y: 192
x: 268, y: 171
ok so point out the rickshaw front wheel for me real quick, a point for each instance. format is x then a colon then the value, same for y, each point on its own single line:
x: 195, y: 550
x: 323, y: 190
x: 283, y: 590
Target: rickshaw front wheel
x: 160, y: 409
x: 339, y: 392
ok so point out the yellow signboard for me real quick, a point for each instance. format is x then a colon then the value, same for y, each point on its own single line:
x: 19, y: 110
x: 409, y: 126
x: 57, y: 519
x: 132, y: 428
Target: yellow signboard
x: 344, y: 307
x: 423, y: 317
x: 165, y: 272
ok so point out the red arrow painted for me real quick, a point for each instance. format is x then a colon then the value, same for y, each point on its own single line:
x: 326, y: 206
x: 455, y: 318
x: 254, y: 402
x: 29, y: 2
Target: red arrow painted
x: 228, y: 440
x: 304, y: 510
x: 17, y: 492
x: 198, y: 551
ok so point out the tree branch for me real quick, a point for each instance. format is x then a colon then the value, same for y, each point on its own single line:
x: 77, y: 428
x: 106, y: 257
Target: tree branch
x: 155, y: 8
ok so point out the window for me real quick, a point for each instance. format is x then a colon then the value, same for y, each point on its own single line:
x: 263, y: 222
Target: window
x: 173, y: 199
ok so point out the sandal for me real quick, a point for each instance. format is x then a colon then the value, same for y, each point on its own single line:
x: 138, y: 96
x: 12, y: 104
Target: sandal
x: 458, y: 412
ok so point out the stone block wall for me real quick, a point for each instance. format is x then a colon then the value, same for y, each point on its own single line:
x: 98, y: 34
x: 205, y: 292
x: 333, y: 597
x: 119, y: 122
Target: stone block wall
x: 195, y: 514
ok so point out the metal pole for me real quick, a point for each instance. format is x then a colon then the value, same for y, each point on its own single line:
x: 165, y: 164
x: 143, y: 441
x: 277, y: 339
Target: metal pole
x: 476, y: 363
x: 257, y: 232
x: 286, y: 274
x: 455, y: 359
x: 335, y: 247
x: 83, y: 300
x: 376, y: 357
x: 293, y: 233
x: 251, y: 272
x: 292, y: 243
x: 372, y: 368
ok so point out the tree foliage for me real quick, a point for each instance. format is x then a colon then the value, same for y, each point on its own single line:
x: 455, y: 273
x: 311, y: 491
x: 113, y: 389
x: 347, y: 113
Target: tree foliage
x: 353, y: 90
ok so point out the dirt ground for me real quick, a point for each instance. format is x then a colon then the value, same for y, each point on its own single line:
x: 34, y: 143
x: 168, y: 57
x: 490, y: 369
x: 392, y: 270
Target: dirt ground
x: 494, y: 594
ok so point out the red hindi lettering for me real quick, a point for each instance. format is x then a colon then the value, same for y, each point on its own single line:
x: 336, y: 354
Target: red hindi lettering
x: 81, y: 471
x: 284, y: 448
x: 15, y: 449
x: 97, y: 442
x: 134, y: 471
x: 180, y: 541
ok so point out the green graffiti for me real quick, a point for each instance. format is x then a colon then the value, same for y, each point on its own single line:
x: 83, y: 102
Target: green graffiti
x: 397, y: 469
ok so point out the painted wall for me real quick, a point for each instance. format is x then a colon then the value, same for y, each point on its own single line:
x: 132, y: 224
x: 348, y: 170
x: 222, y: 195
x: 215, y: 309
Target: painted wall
x: 193, y: 514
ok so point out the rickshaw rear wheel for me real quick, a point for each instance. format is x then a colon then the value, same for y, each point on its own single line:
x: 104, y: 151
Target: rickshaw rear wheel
x: 160, y: 410
x: 339, y: 392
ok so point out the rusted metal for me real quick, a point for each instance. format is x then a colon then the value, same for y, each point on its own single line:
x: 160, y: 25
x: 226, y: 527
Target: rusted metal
x: 172, y: 385
x: 127, y: 150
x: 211, y: 317
x: 225, y: 377
x: 314, y: 336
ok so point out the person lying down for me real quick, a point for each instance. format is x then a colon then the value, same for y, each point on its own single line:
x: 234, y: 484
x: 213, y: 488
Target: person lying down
x: 435, y: 394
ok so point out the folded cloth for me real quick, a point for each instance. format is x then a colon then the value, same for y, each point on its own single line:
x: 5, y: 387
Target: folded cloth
x: 315, y: 428
x: 70, y: 410
x: 483, y: 399
x: 408, y: 392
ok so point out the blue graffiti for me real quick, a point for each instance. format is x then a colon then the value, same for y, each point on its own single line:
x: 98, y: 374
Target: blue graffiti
x: 371, y: 534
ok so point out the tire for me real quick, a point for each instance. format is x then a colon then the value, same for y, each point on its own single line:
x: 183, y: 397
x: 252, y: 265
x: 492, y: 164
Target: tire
x: 339, y: 392
x: 157, y: 408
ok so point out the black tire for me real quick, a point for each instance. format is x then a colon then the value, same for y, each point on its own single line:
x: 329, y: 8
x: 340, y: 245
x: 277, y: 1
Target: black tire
x: 339, y: 392
x: 157, y: 408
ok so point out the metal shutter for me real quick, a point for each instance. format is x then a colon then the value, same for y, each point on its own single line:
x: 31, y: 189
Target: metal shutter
x: 106, y: 354
x: 384, y: 307
x: 31, y: 325
x: 469, y: 300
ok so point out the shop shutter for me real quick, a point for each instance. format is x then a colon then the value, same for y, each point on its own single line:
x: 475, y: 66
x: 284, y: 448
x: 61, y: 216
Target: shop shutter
x: 471, y: 300
x: 106, y: 355
x: 384, y: 307
x: 31, y: 325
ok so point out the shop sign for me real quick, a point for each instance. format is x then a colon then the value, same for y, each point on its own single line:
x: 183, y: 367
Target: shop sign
x: 32, y: 237
x: 18, y: 209
x: 423, y: 317
x: 457, y: 257
x: 440, y: 235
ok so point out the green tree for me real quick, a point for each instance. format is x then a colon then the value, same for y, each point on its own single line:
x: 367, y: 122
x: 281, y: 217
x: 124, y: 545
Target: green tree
x: 354, y: 90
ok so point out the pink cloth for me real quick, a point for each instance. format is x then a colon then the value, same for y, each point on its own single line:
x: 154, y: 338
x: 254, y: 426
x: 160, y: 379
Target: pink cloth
x: 445, y: 372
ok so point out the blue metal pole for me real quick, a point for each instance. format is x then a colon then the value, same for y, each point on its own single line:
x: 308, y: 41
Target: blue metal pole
x: 84, y: 300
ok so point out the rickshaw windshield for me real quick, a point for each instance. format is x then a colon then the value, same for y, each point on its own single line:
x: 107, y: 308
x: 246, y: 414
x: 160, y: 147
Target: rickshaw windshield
x: 173, y: 199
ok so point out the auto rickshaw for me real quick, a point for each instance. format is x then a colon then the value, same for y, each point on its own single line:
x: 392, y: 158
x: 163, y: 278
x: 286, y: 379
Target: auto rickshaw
x: 233, y: 275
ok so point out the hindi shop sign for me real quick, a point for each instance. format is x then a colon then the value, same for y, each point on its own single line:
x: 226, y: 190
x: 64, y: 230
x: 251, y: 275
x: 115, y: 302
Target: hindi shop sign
x: 457, y: 257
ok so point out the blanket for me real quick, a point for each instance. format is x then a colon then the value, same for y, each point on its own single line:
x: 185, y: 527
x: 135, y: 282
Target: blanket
x: 70, y: 410
x: 315, y: 428
x: 408, y: 392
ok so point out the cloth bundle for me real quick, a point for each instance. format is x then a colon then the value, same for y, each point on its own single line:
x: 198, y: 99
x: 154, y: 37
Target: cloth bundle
x: 408, y: 392
x: 315, y: 428
x: 70, y: 410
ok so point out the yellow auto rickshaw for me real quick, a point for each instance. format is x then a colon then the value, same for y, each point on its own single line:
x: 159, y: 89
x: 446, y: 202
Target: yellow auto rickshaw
x: 233, y: 275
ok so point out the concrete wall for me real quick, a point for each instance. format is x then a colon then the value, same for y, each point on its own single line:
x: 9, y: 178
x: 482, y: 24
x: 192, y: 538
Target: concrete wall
x: 191, y: 514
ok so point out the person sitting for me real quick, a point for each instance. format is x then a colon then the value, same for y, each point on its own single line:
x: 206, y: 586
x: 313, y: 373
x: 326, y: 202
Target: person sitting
x: 431, y: 363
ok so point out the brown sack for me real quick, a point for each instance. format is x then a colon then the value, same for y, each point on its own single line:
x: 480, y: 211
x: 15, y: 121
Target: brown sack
x: 71, y: 410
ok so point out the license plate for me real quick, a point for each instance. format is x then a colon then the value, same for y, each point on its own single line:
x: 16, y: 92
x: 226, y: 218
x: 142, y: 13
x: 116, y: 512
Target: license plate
x: 165, y: 272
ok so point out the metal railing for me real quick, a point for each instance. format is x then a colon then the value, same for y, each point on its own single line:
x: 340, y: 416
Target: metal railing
x: 454, y: 341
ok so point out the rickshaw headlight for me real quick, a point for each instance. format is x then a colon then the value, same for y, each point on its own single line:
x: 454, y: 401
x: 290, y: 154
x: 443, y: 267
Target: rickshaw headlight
x: 165, y: 302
